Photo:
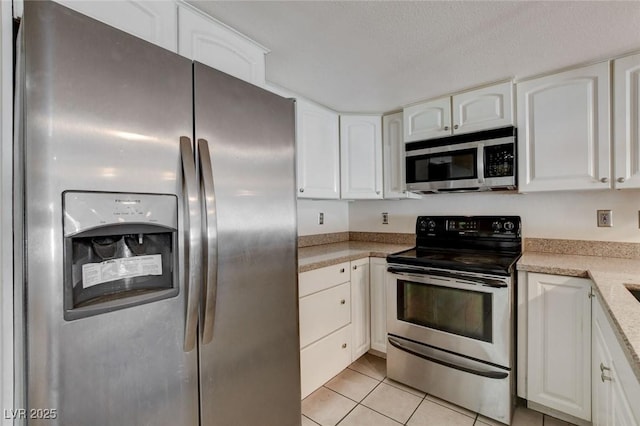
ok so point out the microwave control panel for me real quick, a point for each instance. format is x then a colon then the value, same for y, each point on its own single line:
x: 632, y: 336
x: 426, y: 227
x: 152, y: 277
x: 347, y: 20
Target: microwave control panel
x: 499, y: 160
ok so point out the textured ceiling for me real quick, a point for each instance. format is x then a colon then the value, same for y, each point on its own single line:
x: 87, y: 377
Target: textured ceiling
x: 378, y: 56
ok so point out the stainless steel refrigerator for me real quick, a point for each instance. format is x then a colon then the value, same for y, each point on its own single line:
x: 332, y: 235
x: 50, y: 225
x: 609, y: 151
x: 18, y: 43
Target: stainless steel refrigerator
x: 156, y: 249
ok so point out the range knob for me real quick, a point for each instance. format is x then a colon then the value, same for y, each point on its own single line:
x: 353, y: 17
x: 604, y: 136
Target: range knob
x: 497, y: 226
x: 508, y: 226
x: 431, y: 225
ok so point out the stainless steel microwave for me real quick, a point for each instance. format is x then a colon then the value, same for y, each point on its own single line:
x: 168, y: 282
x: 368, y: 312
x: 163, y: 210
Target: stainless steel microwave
x: 480, y: 161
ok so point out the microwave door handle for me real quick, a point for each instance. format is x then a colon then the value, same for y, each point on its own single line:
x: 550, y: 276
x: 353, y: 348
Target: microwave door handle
x: 480, y: 163
x: 193, y: 247
x: 210, y: 237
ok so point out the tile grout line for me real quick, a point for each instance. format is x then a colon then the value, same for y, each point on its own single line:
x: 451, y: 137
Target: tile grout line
x: 311, y: 420
x: 357, y: 403
x: 416, y: 409
x: 376, y: 411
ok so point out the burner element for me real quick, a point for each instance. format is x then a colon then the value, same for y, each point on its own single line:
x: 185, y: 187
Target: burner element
x: 473, y: 260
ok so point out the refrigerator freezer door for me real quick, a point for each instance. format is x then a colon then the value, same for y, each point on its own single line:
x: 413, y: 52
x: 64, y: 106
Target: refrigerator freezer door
x: 103, y: 111
x: 253, y: 357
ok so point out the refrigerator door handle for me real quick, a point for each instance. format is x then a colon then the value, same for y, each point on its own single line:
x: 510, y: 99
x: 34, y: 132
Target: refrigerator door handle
x: 193, y: 247
x: 210, y: 237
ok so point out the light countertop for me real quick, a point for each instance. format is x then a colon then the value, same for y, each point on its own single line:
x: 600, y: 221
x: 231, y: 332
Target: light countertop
x: 319, y: 256
x: 609, y: 276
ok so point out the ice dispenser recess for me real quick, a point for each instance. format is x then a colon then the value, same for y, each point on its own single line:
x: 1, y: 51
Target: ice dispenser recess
x: 120, y: 250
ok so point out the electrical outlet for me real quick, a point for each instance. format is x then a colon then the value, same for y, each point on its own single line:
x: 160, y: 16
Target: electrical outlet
x: 605, y: 219
x: 385, y: 218
x: 321, y: 218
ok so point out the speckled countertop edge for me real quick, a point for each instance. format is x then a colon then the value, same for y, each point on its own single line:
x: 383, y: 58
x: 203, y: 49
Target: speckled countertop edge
x: 314, y: 257
x: 609, y: 276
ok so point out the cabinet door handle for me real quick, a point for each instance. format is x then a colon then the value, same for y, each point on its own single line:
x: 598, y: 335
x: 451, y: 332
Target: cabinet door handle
x: 342, y: 302
x: 446, y: 127
x: 355, y: 267
x: 602, y: 370
x: 342, y: 270
x: 621, y: 179
x: 301, y: 189
x: 455, y: 127
x: 344, y: 346
x: 604, y: 180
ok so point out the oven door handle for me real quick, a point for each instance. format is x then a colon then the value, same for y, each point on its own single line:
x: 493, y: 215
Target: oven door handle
x: 488, y: 282
x: 423, y: 352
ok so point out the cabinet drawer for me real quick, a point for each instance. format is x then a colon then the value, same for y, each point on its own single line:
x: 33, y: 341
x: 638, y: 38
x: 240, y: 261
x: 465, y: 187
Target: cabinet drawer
x: 323, y: 278
x: 324, y: 312
x: 324, y: 359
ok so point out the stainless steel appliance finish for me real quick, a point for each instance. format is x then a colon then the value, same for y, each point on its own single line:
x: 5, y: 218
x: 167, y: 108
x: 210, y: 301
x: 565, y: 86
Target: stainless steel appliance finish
x: 450, y: 311
x: 104, y: 112
x: 479, y: 161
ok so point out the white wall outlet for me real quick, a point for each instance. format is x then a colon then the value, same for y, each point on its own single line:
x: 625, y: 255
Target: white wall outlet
x: 605, y: 219
x: 385, y: 218
x: 321, y: 218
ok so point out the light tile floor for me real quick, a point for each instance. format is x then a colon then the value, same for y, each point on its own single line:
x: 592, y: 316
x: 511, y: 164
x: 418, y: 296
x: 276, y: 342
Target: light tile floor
x: 362, y: 395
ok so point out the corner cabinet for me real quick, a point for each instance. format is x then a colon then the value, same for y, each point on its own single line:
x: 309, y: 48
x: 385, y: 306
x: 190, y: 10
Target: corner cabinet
x: 317, y: 151
x: 480, y: 109
x: 153, y: 21
x: 212, y: 43
x: 393, y: 159
x: 361, y: 156
x: 616, y: 390
x: 559, y: 344
x: 626, y: 122
x: 563, y: 130
x: 360, y: 308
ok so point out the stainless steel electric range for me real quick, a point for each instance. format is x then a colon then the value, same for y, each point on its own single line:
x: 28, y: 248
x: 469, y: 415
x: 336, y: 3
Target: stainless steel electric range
x: 450, y: 311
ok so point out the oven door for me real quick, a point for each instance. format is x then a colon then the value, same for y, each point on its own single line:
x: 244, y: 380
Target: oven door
x: 454, y: 167
x: 452, y: 312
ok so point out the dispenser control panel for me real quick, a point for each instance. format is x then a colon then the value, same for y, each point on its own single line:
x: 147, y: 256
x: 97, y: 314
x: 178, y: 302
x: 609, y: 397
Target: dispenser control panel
x: 87, y: 210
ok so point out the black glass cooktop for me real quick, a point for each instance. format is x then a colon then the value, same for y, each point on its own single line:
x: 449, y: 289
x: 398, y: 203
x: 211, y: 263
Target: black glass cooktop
x: 485, y: 244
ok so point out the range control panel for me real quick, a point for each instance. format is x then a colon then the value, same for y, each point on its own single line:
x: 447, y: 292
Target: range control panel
x: 480, y: 226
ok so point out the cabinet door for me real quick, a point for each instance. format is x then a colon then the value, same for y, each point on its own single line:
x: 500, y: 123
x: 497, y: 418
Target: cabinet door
x: 317, y: 151
x: 361, y: 156
x: 427, y: 120
x: 482, y: 109
x: 615, y: 386
x: 393, y: 156
x: 626, y: 121
x: 153, y: 21
x: 563, y: 130
x: 377, y: 276
x: 360, y: 313
x: 559, y: 343
x: 212, y: 43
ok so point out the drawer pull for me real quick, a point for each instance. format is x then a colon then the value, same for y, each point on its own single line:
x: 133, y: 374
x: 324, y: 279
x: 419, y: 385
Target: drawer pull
x: 355, y: 267
x: 342, y: 302
x: 342, y: 270
x: 344, y: 346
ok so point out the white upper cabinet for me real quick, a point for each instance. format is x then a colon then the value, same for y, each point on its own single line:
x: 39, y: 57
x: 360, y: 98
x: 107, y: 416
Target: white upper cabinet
x: 486, y: 108
x: 153, y: 21
x: 481, y: 109
x: 563, y: 130
x: 361, y: 156
x: 394, y: 179
x: 626, y: 121
x: 427, y: 120
x: 317, y: 151
x: 212, y: 43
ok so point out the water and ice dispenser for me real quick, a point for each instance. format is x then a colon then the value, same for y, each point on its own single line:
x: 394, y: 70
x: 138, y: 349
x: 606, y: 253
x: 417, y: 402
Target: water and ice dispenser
x: 120, y: 250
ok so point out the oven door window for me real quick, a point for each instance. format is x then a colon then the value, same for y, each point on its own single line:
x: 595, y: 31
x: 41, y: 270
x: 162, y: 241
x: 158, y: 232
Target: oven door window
x: 452, y: 165
x: 463, y: 312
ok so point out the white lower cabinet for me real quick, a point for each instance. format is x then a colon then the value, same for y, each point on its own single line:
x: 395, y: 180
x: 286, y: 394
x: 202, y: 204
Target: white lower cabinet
x: 377, y: 278
x: 616, y: 391
x: 325, y: 324
x: 323, y: 359
x: 360, y: 308
x: 559, y: 343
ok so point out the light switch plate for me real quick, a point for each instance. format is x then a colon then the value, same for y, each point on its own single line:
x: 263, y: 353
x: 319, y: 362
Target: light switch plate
x: 605, y: 219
